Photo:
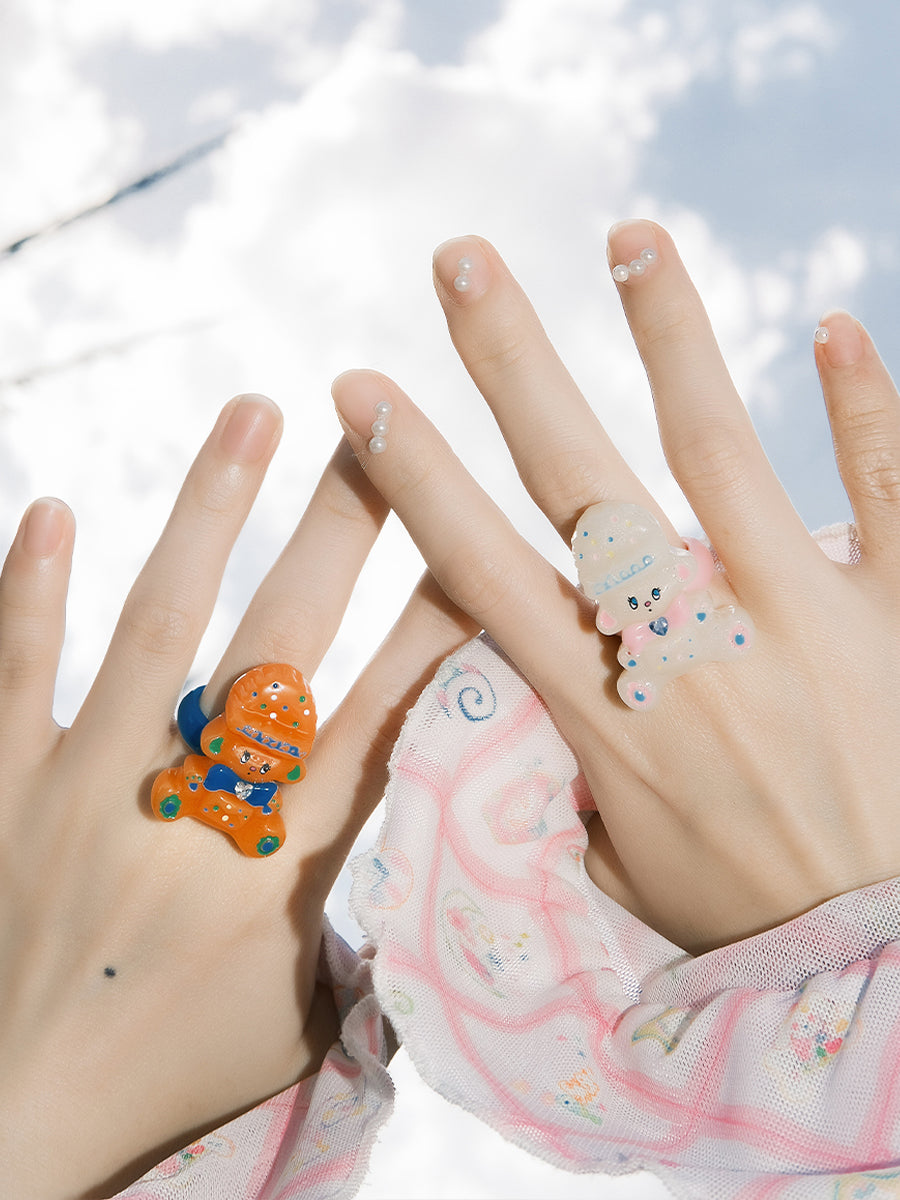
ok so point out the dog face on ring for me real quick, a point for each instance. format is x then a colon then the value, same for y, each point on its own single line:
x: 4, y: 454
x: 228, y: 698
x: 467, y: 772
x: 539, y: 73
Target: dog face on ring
x: 262, y: 739
x: 249, y: 758
x: 625, y: 563
x: 268, y: 726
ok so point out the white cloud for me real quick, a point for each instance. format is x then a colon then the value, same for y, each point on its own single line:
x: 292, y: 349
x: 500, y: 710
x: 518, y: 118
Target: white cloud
x: 58, y: 143
x: 836, y: 265
x: 170, y: 23
x: 788, y: 42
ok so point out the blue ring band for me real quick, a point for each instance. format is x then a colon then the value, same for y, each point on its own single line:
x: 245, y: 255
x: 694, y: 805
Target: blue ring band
x: 192, y: 720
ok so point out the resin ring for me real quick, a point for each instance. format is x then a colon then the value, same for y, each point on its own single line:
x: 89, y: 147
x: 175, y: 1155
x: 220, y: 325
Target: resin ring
x: 656, y: 596
x: 230, y: 778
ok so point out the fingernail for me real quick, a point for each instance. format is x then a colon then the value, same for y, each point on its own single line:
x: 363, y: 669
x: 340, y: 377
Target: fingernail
x: 632, y: 250
x: 365, y: 410
x: 839, y: 336
x: 463, y: 269
x: 251, y: 425
x: 43, y: 527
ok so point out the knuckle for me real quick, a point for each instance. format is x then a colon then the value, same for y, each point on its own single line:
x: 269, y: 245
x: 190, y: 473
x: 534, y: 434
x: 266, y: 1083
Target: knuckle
x: 281, y: 626
x: 212, y: 500
x: 867, y: 455
x: 413, y: 483
x: 673, y: 322
x: 343, y: 510
x: 22, y: 663
x: 382, y: 736
x: 710, y: 460
x: 477, y: 578
x: 25, y: 648
x: 875, y: 474
x: 505, y: 350
x: 562, y: 481
x: 158, y: 627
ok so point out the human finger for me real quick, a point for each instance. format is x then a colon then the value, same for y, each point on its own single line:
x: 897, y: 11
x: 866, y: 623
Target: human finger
x: 864, y: 411
x: 482, y: 563
x: 355, y: 744
x: 298, y: 607
x: 172, y: 599
x: 706, y: 432
x: 562, y: 452
x: 33, y: 587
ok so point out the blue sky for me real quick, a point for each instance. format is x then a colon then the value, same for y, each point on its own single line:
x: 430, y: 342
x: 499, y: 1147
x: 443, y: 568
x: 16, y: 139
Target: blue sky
x: 361, y: 133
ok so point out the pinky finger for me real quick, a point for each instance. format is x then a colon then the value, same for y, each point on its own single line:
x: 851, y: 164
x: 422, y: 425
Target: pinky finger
x: 864, y: 411
x: 33, y: 587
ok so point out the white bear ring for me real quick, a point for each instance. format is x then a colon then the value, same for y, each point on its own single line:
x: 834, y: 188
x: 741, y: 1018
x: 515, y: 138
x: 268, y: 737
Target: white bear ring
x: 656, y: 596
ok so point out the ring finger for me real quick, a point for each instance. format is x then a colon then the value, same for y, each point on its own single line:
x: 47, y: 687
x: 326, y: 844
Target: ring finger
x: 706, y: 432
x: 298, y: 607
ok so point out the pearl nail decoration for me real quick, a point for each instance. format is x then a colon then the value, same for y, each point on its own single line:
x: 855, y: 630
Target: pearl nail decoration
x: 622, y: 272
x: 821, y: 335
x: 462, y: 282
x: 380, y: 427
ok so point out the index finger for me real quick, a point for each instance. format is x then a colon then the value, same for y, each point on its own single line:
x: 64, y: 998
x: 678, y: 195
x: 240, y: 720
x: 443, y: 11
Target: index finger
x: 864, y: 411
x: 563, y: 454
x: 483, y: 564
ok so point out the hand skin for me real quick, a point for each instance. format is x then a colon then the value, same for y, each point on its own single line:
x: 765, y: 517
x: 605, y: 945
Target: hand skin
x: 213, y: 1005
x: 756, y: 789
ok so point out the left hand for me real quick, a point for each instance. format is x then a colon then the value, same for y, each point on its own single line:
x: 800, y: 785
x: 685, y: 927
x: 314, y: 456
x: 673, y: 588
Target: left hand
x: 759, y: 787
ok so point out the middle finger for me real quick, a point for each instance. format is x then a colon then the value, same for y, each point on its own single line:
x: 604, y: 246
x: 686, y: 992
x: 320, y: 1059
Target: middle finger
x: 563, y: 454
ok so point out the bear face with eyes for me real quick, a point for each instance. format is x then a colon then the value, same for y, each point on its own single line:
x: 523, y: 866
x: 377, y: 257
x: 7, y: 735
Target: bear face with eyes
x: 262, y: 739
x: 655, y: 595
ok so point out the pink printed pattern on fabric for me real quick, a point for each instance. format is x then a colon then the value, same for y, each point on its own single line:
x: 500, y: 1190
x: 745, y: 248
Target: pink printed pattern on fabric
x: 769, y: 1068
x: 311, y: 1141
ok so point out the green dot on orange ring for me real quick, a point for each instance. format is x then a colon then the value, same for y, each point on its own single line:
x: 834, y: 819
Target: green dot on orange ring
x: 170, y: 807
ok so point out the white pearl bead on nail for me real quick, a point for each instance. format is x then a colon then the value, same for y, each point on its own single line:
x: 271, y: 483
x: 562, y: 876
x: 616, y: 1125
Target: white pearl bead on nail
x: 821, y: 335
x: 462, y: 282
x: 622, y: 273
x: 380, y: 427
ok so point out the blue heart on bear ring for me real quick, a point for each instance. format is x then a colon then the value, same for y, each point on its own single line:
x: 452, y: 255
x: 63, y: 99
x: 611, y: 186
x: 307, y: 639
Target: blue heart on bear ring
x: 660, y: 626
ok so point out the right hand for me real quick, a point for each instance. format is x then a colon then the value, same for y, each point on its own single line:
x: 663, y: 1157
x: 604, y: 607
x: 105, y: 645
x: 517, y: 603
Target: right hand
x: 757, y: 788
x: 154, y: 981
